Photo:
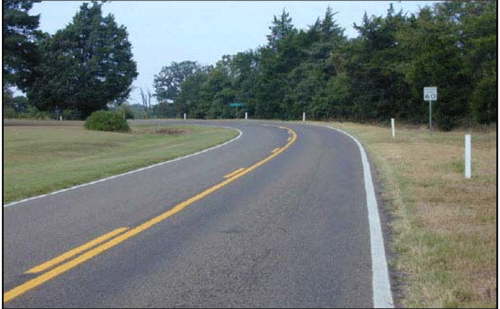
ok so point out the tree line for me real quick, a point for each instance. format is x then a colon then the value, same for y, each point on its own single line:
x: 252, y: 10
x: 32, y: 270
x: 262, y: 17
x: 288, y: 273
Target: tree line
x: 374, y: 77
x: 378, y: 75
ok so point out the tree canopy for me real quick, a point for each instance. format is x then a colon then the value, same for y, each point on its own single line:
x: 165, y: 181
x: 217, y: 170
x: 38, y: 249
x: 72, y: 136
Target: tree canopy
x: 378, y: 75
x: 374, y: 77
x: 84, y: 66
x: 168, y: 82
x: 19, y: 49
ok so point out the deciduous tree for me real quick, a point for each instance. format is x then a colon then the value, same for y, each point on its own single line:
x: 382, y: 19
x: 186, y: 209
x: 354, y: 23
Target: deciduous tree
x: 168, y: 82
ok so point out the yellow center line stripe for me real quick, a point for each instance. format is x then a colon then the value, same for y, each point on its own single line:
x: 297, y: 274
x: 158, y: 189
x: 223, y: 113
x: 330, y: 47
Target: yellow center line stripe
x: 275, y: 149
x: 75, y: 251
x: 234, y: 173
x: 31, y: 284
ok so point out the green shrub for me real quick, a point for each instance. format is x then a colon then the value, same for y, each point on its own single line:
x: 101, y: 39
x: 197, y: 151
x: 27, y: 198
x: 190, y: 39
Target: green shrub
x: 127, y: 111
x: 44, y: 115
x: 71, y: 114
x: 107, y: 121
x: 32, y: 112
x: 9, y: 112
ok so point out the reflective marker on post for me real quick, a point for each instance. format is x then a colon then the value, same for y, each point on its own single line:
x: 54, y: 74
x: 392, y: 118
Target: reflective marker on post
x: 468, y: 156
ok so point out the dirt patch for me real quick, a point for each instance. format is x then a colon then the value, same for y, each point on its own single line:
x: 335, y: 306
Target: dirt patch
x: 164, y: 131
x: 170, y: 131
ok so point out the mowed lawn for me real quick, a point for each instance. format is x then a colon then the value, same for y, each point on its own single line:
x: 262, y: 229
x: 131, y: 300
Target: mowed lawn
x: 41, y: 157
x: 444, y: 228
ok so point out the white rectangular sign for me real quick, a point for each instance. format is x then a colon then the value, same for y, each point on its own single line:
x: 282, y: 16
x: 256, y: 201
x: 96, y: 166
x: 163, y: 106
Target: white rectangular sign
x: 430, y: 93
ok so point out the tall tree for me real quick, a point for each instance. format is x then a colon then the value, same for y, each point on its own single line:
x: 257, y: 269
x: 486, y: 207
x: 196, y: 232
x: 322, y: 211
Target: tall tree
x: 307, y: 82
x: 376, y: 76
x: 86, y: 65
x: 479, y: 35
x: 168, y: 82
x: 19, y: 49
x: 218, y: 89
x: 438, y: 43
x: 192, y: 97
x: 381, y: 90
x: 280, y: 29
x: 276, y: 60
x: 244, y: 67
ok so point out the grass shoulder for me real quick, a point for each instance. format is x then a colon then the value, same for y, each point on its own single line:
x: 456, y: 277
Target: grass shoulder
x: 42, y: 157
x: 444, y: 235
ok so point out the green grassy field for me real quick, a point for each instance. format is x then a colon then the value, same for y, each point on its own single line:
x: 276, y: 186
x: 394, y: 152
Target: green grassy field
x: 444, y: 231
x: 41, y: 157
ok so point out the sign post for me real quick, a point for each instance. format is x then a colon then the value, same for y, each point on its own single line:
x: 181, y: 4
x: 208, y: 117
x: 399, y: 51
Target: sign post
x: 430, y: 94
x: 236, y: 105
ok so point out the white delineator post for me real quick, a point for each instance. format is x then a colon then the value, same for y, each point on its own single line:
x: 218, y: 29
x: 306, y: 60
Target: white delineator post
x: 392, y: 128
x: 184, y: 116
x: 468, y: 156
x: 60, y: 118
x: 304, y: 116
x: 246, y: 116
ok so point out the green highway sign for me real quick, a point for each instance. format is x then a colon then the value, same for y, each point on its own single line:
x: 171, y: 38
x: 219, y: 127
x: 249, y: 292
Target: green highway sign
x: 236, y: 104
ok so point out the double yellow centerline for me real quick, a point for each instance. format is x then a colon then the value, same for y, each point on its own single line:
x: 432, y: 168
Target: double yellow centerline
x: 119, y: 235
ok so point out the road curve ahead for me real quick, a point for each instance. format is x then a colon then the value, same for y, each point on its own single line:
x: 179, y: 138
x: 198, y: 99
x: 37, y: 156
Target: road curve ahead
x: 275, y: 218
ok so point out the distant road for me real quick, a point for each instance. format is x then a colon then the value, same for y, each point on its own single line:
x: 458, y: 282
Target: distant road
x: 276, y: 218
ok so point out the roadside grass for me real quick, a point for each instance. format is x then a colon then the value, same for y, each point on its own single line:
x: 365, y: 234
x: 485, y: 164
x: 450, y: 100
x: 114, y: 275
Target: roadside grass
x: 444, y: 232
x: 49, y: 157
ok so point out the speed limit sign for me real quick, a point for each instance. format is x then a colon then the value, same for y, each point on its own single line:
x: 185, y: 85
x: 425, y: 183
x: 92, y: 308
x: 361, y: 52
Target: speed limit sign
x: 430, y: 93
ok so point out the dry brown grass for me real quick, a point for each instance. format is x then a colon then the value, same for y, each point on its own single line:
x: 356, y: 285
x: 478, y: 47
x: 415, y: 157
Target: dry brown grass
x: 445, y: 233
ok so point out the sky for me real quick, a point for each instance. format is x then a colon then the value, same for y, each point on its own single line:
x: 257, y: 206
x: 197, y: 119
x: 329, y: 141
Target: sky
x: 162, y: 32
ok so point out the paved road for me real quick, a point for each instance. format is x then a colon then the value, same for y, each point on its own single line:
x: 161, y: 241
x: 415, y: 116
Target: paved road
x: 292, y: 232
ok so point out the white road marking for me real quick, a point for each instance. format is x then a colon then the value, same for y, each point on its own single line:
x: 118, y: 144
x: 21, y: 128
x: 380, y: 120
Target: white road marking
x: 127, y: 173
x: 382, y: 296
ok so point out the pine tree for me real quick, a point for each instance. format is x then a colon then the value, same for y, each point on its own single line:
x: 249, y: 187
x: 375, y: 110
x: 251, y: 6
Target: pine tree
x: 86, y: 65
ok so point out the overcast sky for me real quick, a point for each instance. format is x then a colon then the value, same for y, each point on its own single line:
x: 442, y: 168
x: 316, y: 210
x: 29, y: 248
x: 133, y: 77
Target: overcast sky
x: 165, y: 31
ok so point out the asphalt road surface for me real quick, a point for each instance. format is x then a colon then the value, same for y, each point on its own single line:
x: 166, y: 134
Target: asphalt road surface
x: 290, y: 229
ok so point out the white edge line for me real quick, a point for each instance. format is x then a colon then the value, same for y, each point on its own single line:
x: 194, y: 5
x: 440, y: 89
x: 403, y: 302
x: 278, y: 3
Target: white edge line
x: 382, y: 296
x: 129, y: 172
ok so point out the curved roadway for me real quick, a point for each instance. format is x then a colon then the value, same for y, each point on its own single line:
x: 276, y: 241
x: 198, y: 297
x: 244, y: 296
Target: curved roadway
x: 291, y: 232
